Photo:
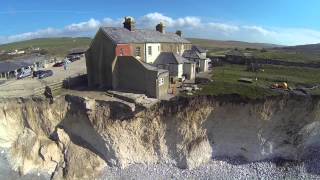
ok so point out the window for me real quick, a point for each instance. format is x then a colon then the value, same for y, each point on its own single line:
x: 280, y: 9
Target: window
x: 121, y: 52
x: 161, y: 81
x: 138, y: 51
x: 149, y: 50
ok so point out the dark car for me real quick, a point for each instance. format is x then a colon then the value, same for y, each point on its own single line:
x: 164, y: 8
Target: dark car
x: 44, y: 74
x: 36, y: 73
x: 73, y: 58
x: 58, y: 64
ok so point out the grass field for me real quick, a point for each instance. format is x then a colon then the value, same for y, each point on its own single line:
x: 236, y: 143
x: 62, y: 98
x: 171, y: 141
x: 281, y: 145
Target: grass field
x: 225, y: 80
x: 222, y: 45
x: 60, y: 47
x: 54, y: 46
x: 289, y: 56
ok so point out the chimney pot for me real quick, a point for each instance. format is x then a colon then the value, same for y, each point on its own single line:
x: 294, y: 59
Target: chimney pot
x: 161, y: 28
x: 179, y: 33
x: 129, y: 23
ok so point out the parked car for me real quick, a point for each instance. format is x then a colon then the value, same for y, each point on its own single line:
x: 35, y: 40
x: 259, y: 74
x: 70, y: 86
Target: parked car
x: 24, y: 73
x: 44, y: 74
x: 36, y: 73
x: 58, y: 64
x: 73, y: 58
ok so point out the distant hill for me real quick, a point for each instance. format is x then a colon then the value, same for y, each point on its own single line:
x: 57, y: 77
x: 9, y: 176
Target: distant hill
x: 54, y: 46
x: 309, y: 48
x: 215, y: 44
x: 61, y: 46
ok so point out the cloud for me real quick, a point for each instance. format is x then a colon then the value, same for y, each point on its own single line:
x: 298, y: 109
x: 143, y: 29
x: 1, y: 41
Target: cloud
x: 190, y: 25
x: 49, y: 32
x: 151, y: 19
x: 257, y: 29
x: 90, y: 25
x: 224, y: 28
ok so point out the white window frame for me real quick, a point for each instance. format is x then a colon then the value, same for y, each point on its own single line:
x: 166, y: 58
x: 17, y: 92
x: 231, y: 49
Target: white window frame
x: 138, y: 51
x: 161, y: 81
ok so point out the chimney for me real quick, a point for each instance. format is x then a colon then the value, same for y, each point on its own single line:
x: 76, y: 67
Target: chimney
x: 161, y: 28
x: 129, y: 23
x: 179, y: 33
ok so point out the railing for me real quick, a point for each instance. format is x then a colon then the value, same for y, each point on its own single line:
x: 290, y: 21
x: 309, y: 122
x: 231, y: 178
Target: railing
x: 39, y: 91
x: 56, y: 86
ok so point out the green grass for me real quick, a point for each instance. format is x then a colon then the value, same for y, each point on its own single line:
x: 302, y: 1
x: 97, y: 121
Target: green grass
x: 54, y: 46
x: 244, y: 90
x: 220, y: 45
x: 289, y: 56
x: 225, y: 80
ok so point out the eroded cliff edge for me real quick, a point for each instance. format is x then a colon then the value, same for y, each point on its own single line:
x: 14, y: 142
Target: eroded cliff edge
x: 80, y: 133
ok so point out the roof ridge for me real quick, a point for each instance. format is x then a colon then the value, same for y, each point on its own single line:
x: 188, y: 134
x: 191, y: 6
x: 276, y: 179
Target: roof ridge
x: 122, y: 35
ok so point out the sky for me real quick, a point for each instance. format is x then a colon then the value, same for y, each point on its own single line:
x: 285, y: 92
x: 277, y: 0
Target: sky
x: 284, y: 22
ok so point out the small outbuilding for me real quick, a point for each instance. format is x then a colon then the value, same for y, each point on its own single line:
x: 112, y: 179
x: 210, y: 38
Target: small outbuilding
x: 199, y: 56
x: 132, y: 75
x: 177, y: 65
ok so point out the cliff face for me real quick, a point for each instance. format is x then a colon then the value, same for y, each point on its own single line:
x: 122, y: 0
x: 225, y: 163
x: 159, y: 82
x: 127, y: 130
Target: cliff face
x: 80, y: 133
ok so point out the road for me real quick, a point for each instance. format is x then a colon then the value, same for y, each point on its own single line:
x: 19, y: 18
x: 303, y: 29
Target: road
x: 25, y: 87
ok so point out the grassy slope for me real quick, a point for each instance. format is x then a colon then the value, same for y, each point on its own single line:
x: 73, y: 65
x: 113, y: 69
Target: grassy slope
x: 304, y: 53
x: 218, y: 45
x: 55, y: 46
x: 226, y: 80
x: 291, y: 56
x: 61, y: 46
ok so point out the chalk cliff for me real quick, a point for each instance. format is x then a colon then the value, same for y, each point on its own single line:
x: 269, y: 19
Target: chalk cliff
x: 77, y: 137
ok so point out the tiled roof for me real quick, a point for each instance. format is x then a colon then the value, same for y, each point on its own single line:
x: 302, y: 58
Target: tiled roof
x: 192, y: 54
x: 199, y: 49
x: 11, y: 65
x: 153, y: 68
x: 7, y: 66
x: 124, y: 36
x: 170, y: 58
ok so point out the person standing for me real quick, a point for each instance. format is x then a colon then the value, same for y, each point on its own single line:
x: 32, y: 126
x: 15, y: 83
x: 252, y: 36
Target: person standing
x: 48, y: 94
x: 65, y: 64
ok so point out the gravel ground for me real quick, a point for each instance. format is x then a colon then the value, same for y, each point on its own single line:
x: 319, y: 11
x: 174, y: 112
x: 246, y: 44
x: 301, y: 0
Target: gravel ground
x: 219, y: 169
x: 215, y: 169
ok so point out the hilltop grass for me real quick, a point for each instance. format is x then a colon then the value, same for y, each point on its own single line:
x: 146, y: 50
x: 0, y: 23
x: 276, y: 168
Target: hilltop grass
x: 54, y: 46
x: 289, y: 56
x: 225, y: 80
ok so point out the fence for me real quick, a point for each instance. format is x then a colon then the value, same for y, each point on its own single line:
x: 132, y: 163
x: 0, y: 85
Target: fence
x: 56, y: 86
x: 67, y: 83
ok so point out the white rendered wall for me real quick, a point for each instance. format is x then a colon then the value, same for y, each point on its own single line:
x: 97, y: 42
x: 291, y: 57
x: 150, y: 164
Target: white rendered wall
x: 176, y: 70
x: 156, y: 49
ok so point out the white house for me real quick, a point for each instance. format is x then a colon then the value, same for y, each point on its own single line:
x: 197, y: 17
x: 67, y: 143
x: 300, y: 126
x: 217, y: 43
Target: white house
x: 152, y: 52
x: 177, y: 65
x: 199, y: 56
